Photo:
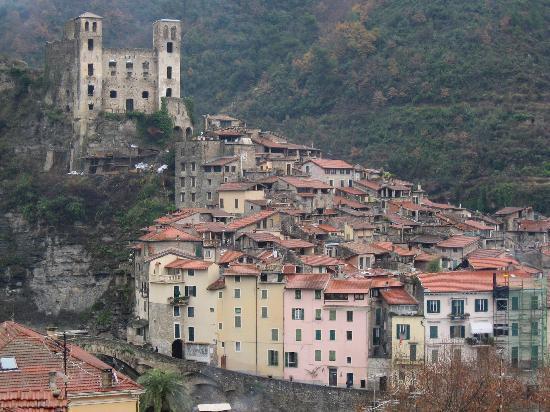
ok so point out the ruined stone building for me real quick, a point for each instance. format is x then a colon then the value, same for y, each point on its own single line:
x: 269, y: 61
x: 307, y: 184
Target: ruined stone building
x: 85, y: 79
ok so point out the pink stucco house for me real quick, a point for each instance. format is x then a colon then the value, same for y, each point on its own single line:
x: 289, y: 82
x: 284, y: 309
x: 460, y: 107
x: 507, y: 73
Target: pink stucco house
x: 326, y: 330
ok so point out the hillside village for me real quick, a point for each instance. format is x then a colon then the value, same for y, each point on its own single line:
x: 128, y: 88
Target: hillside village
x: 278, y: 261
x: 282, y: 263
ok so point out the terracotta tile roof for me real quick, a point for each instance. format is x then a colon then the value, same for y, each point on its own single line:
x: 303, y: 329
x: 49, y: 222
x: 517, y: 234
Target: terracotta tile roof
x: 327, y: 228
x: 169, y: 234
x: 320, y: 260
x: 294, y: 243
x: 427, y: 239
x: 241, y: 270
x: 491, y: 263
x: 304, y: 183
x: 477, y: 225
x: 351, y: 191
x: 36, y: 355
x: 371, y: 184
x: 214, y: 227
x: 222, y: 117
x: 169, y: 251
x: 397, y: 296
x: 425, y: 257
x: 260, y: 236
x: 348, y: 286
x: 217, y: 284
x: 230, y: 256
x: 408, y: 205
x: 236, y: 186
x: 401, y: 221
x: 487, y: 253
x: 442, y: 206
x: 354, y: 204
x: 303, y: 281
x: 331, y: 164
x: 251, y: 219
x: 534, y: 226
x: 30, y: 400
x: 384, y: 281
x: 220, y: 161
x: 361, y: 248
x: 229, y: 132
x: 177, y: 215
x: 469, y: 281
x: 189, y: 264
x: 312, y: 230
x: 457, y: 242
x: 508, y: 210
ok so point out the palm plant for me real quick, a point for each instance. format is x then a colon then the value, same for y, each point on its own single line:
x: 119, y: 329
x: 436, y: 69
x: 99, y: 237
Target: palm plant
x: 164, y: 391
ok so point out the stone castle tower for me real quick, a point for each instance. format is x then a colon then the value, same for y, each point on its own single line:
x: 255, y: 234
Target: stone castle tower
x: 86, y: 79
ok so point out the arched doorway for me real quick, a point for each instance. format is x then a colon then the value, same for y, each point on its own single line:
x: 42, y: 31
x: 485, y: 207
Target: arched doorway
x: 188, y: 132
x: 178, y: 132
x: 177, y: 349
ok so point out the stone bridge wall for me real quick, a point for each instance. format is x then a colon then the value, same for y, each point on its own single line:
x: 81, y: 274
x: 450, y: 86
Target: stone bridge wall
x: 285, y: 395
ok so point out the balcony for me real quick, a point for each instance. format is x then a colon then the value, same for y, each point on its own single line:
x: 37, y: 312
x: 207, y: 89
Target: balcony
x: 166, y: 278
x: 178, y: 300
x: 480, y: 341
x: 458, y: 316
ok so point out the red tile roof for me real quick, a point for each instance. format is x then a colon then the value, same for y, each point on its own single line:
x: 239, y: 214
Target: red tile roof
x: 534, y: 226
x: 351, y: 191
x: 487, y: 253
x: 508, y: 210
x: 303, y: 281
x: 214, y: 227
x: 169, y: 234
x: 354, y: 204
x: 294, y: 243
x: 177, y: 215
x: 397, y: 296
x: 217, y: 284
x: 331, y: 164
x: 457, y: 242
x: 348, y: 286
x: 477, y: 225
x: 361, y: 248
x: 241, y: 270
x: 467, y: 281
x: 236, y: 186
x: 36, y: 355
x: 305, y: 183
x: 327, y: 228
x: 189, y: 264
x: 230, y: 256
x: 261, y: 236
x: 320, y: 260
x: 371, y: 184
x: 491, y: 263
x: 251, y: 219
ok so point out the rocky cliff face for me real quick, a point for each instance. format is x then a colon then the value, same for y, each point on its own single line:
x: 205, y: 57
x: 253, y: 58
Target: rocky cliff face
x: 63, y: 248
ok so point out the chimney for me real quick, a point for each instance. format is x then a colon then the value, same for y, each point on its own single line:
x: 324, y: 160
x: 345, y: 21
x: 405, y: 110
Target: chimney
x: 51, y: 331
x: 107, y: 378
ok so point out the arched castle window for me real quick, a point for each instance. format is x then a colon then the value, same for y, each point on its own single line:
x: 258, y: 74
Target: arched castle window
x: 165, y: 32
x: 173, y: 33
x: 169, y: 92
x: 87, y: 26
x: 94, y: 26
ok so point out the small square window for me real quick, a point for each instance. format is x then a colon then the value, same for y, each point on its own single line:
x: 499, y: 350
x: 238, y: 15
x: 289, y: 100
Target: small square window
x: 112, y: 94
x: 145, y: 94
x: 298, y: 294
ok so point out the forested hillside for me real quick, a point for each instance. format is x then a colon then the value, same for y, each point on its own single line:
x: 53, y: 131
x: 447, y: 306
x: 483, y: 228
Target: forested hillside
x: 452, y: 94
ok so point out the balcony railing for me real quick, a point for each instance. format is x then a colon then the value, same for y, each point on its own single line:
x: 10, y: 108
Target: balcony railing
x: 178, y: 300
x: 458, y: 316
